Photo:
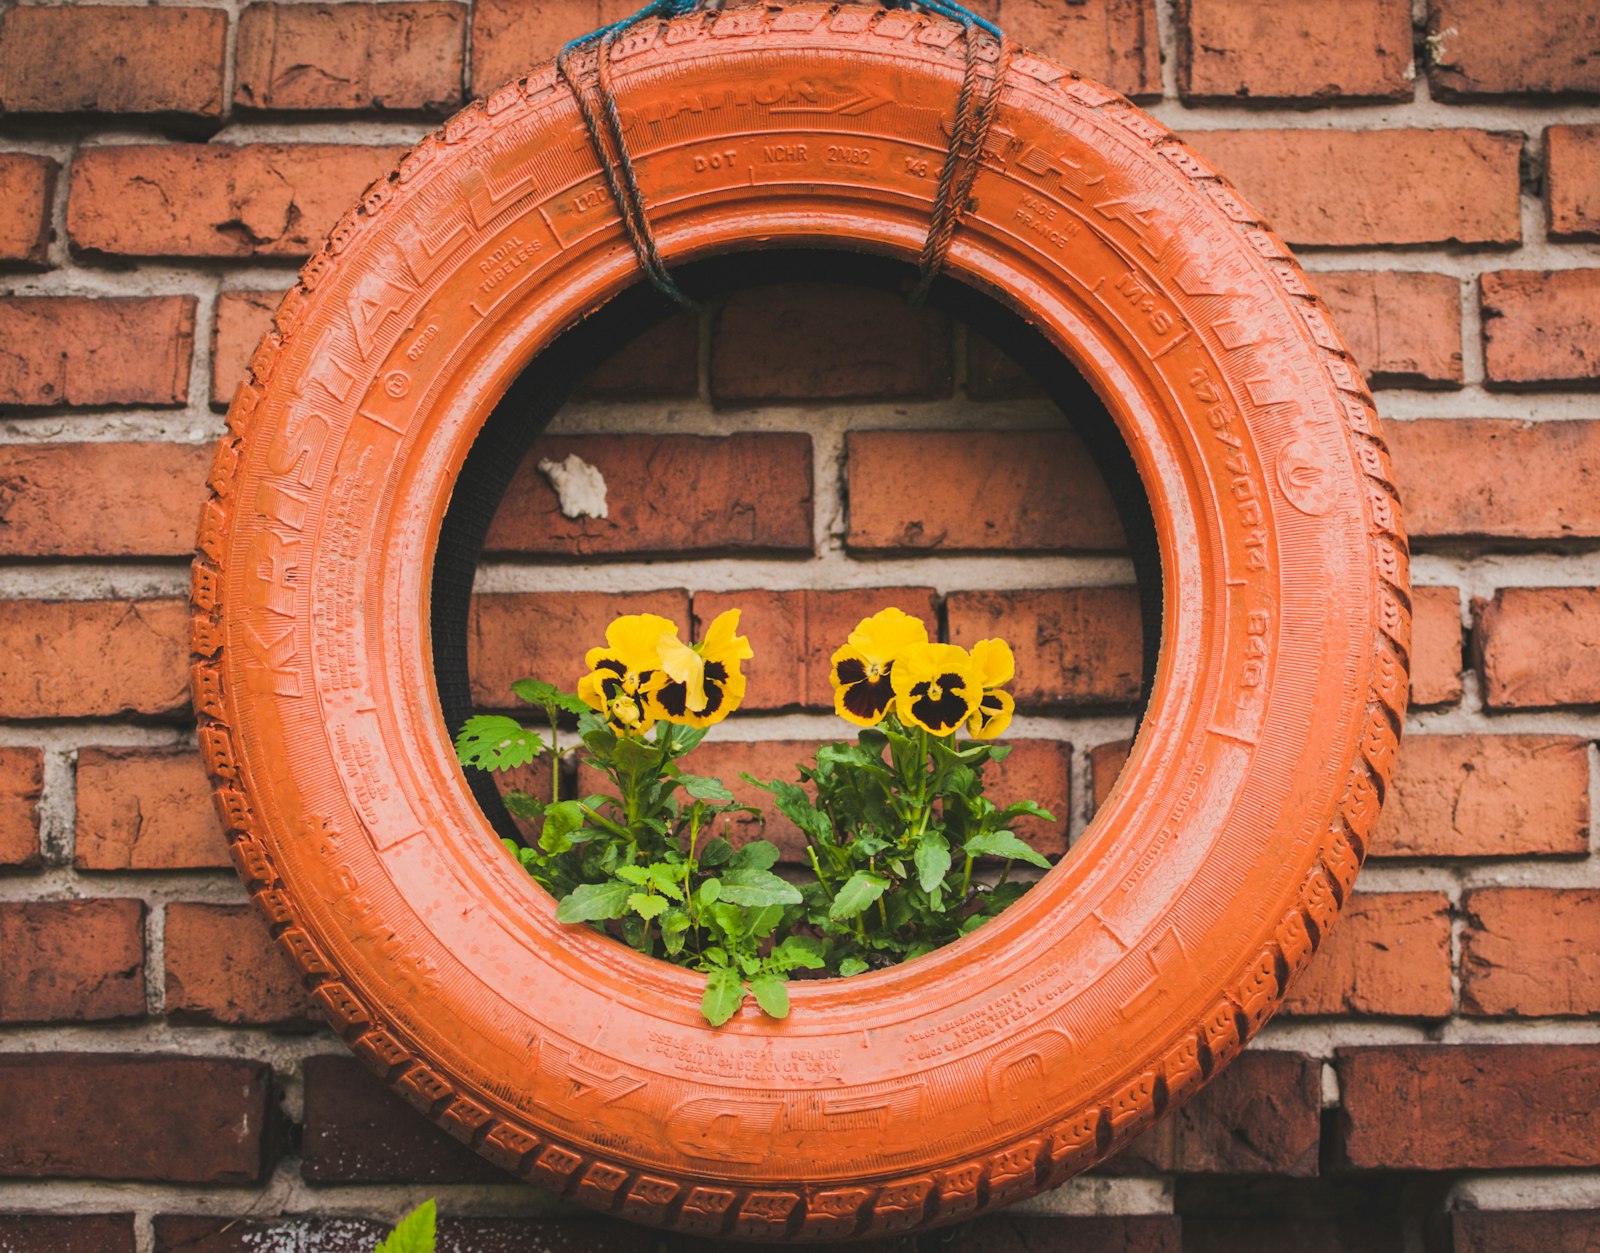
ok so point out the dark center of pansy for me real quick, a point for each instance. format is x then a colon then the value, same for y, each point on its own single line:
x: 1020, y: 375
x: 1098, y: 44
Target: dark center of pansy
x: 936, y: 702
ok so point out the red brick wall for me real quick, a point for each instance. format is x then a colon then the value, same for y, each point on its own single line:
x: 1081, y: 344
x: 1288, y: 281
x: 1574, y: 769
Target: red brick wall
x: 163, y: 170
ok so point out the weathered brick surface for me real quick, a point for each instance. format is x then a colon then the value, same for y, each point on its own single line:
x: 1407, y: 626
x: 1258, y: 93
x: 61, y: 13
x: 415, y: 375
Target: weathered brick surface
x: 1536, y: 646
x: 1388, y: 956
x: 27, y: 186
x: 71, y: 961
x: 1403, y: 327
x: 1541, y: 327
x: 94, y: 658
x: 794, y: 635
x: 1019, y: 1233
x: 350, y: 56
x: 1105, y: 764
x: 1469, y: 1107
x: 1351, y: 1222
x: 1526, y: 1231
x: 72, y: 500
x: 68, y: 1233
x: 21, y: 782
x: 1492, y: 48
x: 1110, y: 41
x: 1436, y: 660
x: 579, y: 1234
x: 76, y: 350
x: 1403, y: 186
x: 1074, y: 646
x: 358, y: 1131
x: 1453, y: 476
x: 664, y: 494
x: 223, y: 967
x: 1237, y: 49
x: 146, y: 809
x: 216, y: 200
x: 1261, y: 1116
x: 818, y: 341
x: 1572, y: 181
x: 152, y: 1116
x: 1531, y: 952
x: 545, y: 636
x: 663, y: 361
x: 1486, y: 796
x: 243, y: 317
x: 955, y: 491
x: 112, y: 59
x: 511, y: 37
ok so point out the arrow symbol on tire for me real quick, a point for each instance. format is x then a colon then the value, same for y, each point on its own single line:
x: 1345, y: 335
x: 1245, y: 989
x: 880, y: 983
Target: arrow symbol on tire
x: 867, y: 101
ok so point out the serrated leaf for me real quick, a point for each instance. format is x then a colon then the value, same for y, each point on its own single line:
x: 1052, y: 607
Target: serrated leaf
x: 703, y: 788
x: 1004, y: 844
x: 771, y: 993
x: 646, y: 906
x: 798, y: 951
x: 535, y: 692
x: 636, y: 875
x: 933, y: 860
x: 851, y: 966
x: 415, y: 1233
x: 521, y: 805
x: 756, y: 855
x: 752, y: 887
x: 723, y: 996
x: 594, y: 902
x: 858, y: 892
x: 494, y: 742
x: 795, y: 805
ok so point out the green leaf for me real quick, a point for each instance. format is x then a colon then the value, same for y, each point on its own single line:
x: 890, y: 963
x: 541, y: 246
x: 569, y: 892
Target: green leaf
x: 686, y: 739
x: 933, y: 860
x: 723, y: 996
x: 760, y: 922
x: 493, y: 742
x: 757, y: 887
x: 795, y: 805
x: 647, y: 907
x: 414, y: 1233
x: 1004, y: 844
x: 705, y: 789
x: 636, y: 875
x: 594, y: 902
x: 674, y: 927
x: 560, y: 821
x: 1026, y: 809
x: 798, y: 951
x: 537, y: 693
x: 756, y: 855
x: 858, y: 892
x: 716, y: 851
x: 708, y: 893
x: 521, y: 805
x: 771, y: 993
x: 851, y: 966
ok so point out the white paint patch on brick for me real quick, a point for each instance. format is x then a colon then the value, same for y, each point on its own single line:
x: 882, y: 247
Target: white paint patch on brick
x: 580, y: 487
x: 1095, y: 1195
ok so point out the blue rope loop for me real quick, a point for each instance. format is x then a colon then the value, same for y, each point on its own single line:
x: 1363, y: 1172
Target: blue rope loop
x: 962, y: 160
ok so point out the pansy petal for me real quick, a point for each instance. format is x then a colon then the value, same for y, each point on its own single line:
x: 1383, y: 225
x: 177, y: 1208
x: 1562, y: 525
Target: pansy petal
x: 590, y: 691
x: 683, y: 665
x: 636, y: 639
x: 863, y: 703
x: 992, y: 716
x: 722, y: 641
x: 920, y: 662
x: 992, y: 663
x: 884, y: 636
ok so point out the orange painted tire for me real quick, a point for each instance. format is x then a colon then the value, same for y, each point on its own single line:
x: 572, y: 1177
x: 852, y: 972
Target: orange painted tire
x: 1000, y: 1065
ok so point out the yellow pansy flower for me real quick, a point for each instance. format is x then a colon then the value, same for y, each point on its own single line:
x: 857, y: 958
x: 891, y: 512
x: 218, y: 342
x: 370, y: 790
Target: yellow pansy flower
x: 862, y: 686
x: 700, y: 686
x: 935, y: 687
x: 993, y: 666
x: 620, y: 672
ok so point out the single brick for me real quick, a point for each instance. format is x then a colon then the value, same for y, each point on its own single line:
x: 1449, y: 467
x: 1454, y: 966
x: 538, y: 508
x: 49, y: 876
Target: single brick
x: 1330, y: 1217
x: 511, y: 37
x: 1436, y: 661
x: 1261, y: 1116
x: 243, y: 317
x: 1486, y: 796
x: 216, y: 200
x: 1027, y: 1233
x: 1074, y: 646
x: 1403, y: 327
x: 222, y: 966
x: 112, y: 59
x: 358, y: 1131
x: 1526, y: 1231
x: 146, y: 809
x: 663, y: 361
x: 1353, y: 188
x: 1111, y: 41
x: 1036, y: 770
x: 71, y: 961
x: 21, y: 784
x: 72, y: 500
x: 1541, y: 327
x: 1572, y: 181
x: 350, y: 56
x: 955, y: 491
x: 1488, y: 478
x: 1537, y: 646
x: 1388, y: 956
x: 1469, y: 1106
x: 27, y: 191
x: 1494, y: 48
x: 196, y: 1233
x: 1105, y: 764
x: 664, y: 494
x: 80, y: 350
x: 1239, y: 49
x: 794, y: 635
x: 67, y: 1233
x: 92, y: 658
x: 1531, y: 952
x: 824, y: 341
x: 149, y: 1116
x: 545, y: 636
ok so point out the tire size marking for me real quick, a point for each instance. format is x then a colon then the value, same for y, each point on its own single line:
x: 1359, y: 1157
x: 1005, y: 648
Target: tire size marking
x: 846, y: 154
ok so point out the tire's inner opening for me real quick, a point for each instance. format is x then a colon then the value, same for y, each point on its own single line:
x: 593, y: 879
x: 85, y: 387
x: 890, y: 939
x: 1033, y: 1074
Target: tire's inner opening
x: 545, y: 384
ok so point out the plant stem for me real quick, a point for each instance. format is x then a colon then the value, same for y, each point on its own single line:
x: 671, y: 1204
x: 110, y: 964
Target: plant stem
x: 555, y: 755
